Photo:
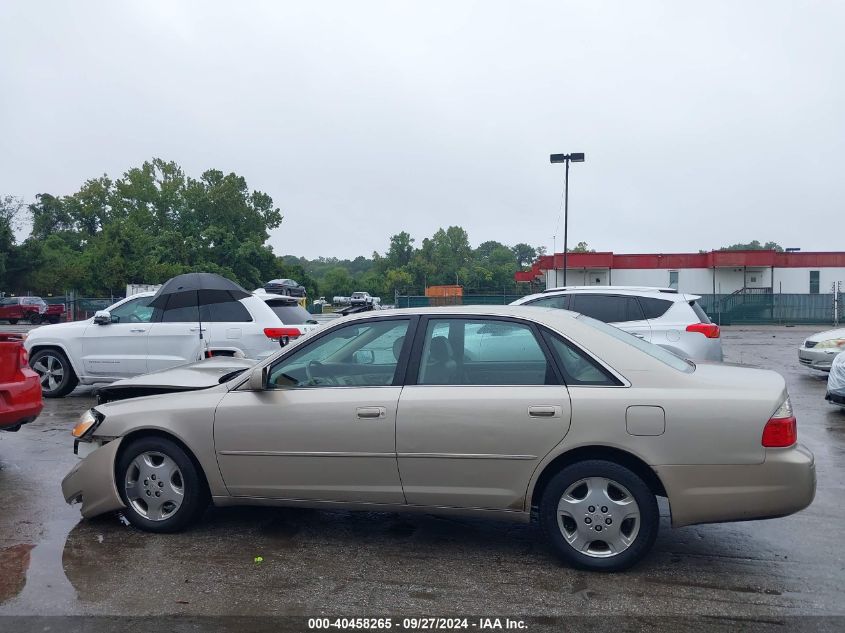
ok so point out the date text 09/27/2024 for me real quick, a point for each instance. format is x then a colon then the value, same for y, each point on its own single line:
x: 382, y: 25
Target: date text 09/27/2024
x: 418, y: 624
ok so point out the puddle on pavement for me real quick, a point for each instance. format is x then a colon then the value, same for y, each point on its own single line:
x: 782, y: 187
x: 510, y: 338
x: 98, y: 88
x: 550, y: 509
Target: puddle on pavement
x: 14, y: 563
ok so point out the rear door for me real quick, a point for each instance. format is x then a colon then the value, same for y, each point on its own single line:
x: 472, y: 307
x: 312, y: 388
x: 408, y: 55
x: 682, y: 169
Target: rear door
x: 481, y: 407
x: 622, y: 311
x: 174, y: 338
x: 119, y: 349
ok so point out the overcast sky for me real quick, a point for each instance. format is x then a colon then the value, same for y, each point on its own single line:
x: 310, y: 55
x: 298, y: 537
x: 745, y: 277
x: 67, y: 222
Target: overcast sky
x: 703, y: 123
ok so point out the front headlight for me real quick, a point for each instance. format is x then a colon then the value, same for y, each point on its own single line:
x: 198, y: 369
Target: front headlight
x: 88, y: 423
x: 832, y: 346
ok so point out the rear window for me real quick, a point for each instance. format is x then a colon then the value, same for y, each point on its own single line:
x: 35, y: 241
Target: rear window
x: 699, y: 312
x: 655, y: 351
x: 608, y: 308
x: 654, y: 308
x: 290, y: 313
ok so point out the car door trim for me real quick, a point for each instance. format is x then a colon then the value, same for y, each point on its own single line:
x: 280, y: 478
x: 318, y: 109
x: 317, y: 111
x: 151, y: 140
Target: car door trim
x: 304, y: 454
x: 466, y: 456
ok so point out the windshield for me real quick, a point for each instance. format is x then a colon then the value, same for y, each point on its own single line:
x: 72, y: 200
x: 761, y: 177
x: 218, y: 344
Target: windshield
x: 655, y: 351
x: 291, y: 313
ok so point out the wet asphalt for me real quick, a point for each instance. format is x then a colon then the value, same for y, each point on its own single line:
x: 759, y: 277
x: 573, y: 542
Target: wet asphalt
x: 342, y: 563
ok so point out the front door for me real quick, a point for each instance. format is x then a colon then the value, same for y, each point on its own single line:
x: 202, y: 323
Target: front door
x: 118, y: 349
x: 324, y: 428
x: 486, y: 408
x: 175, y: 338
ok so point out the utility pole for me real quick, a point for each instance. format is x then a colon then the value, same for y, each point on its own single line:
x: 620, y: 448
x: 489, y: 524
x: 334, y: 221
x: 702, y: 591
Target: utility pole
x: 577, y: 157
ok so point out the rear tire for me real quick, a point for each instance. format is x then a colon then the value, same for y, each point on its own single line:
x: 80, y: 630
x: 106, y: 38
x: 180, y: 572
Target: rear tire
x: 34, y: 318
x: 599, y: 516
x: 162, y: 488
x: 53, y: 368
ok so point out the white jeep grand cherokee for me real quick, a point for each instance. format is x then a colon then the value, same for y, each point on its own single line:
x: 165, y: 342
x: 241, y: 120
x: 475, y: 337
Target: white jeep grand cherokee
x: 135, y: 339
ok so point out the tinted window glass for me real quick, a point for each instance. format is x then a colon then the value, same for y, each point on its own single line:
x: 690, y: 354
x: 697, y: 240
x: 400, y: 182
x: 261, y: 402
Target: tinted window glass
x: 558, y: 301
x: 655, y: 351
x: 360, y: 355
x: 654, y: 308
x: 578, y: 368
x: 608, y: 308
x: 133, y: 311
x: 228, y: 312
x: 699, y: 312
x: 814, y: 282
x: 290, y: 313
x: 482, y: 352
x: 187, y: 314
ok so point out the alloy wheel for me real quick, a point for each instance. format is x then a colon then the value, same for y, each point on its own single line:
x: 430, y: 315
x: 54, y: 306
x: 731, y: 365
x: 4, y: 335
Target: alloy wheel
x: 50, y: 370
x: 154, y: 486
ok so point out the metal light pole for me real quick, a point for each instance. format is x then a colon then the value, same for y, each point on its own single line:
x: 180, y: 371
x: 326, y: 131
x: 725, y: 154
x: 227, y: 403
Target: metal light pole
x: 576, y: 157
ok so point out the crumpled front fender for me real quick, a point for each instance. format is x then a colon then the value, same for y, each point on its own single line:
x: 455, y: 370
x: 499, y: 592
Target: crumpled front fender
x: 92, y: 482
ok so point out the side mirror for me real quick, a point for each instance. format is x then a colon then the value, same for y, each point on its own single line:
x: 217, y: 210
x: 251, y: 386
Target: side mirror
x: 257, y: 380
x: 364, y: 357
x: 102, y: 317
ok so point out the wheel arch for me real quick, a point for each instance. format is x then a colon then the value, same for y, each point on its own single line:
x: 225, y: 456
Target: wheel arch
x: 37, y: 347
x: 138, y: 434
x: 609, y: 453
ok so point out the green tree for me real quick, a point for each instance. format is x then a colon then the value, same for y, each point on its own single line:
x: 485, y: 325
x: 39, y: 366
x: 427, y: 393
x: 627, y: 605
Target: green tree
x: 754, y: 245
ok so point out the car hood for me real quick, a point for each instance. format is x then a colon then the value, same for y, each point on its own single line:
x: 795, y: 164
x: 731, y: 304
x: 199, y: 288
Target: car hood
x: 199, y: 375
x: 827, y: 334
x: 58, y: 330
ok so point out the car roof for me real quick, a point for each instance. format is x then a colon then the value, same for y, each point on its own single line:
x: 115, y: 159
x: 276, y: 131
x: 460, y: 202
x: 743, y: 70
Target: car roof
x: 543, y: 315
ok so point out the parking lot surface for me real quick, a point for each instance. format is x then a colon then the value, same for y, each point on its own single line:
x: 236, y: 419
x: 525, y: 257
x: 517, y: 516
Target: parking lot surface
x: 285, y: 561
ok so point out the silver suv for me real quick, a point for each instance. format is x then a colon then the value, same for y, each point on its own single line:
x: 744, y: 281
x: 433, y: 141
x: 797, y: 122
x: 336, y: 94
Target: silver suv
x: 657, y: 315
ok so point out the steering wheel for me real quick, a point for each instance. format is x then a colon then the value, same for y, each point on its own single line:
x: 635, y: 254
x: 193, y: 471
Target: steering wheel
x: 313, y: 378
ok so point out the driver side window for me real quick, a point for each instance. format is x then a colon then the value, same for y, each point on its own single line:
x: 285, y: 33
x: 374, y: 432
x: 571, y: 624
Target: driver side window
x: 133, y: 311
x: 365, y: 354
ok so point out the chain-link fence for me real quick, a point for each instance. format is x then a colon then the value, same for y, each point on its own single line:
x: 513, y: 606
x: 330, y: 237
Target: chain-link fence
x: 80, y: 308
x: 726, y: 309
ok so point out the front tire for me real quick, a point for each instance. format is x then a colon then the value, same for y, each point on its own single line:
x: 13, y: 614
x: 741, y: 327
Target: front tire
x: 53, y: 368
x: 34, y: 318
x: 161, y: 487
x: 599, y: 516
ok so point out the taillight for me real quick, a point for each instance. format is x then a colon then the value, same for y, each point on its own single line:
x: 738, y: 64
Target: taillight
x: 710, y: 330
x: 23, y: 358
x: 782, y: 428
x: 276, y: 333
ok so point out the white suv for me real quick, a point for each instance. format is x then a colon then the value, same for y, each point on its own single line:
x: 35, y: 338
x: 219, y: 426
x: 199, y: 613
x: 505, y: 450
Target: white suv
x: 135, y: 339
x: 657, y: 315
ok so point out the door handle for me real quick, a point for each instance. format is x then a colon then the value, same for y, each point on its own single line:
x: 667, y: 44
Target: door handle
x: 138, y: 329
x: 197, y: 329
x: 371, y: 412
x: 638, y: 335
x: 544, y: 411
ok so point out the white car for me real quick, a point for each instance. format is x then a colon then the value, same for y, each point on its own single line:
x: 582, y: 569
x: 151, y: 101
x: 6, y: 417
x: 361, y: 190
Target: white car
x: 819, y: 350
x: 657, y: 315
x: 131, y: 338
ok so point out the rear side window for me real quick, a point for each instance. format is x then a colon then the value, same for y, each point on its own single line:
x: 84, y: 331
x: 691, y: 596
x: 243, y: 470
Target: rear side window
x: 654, y: 308
x: 290, y: 313
x: 577, y: 367
x: 699, y: 312
x: 228, y: 312
x: 559, y: 301
x: 608, y: 308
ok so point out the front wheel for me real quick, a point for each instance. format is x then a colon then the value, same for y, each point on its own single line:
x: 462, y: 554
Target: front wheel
x: 599, y: 516
x: 162, y: 488
x: 53, y: 368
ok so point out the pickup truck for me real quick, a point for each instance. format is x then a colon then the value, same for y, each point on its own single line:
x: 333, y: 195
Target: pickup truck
x: 32, y: 309
x: 20, y: 387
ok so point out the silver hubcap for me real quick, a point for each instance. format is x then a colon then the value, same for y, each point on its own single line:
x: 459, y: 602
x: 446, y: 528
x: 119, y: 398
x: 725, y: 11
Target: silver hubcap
x: 51, y: 372
x: 154, y: 486
x: 598, y: 517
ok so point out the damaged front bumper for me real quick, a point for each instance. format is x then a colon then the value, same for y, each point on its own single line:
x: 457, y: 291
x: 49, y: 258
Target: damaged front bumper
x: 91, y: 482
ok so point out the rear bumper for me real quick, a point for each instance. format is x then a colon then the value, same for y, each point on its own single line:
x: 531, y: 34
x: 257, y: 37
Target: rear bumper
x: 92, y: 482
x: 783, y: 484
x: 20, y: 401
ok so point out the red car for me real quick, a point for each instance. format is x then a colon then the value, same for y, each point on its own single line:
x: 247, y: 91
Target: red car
x: 20, y: 387
x: 32, y: 309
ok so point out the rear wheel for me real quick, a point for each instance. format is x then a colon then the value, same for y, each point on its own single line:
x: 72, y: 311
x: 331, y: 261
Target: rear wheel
x: 34, y: 318
x: 53, y: 368
x: 53, y: 319
x: 599, y: 515
x: 162, y: 488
